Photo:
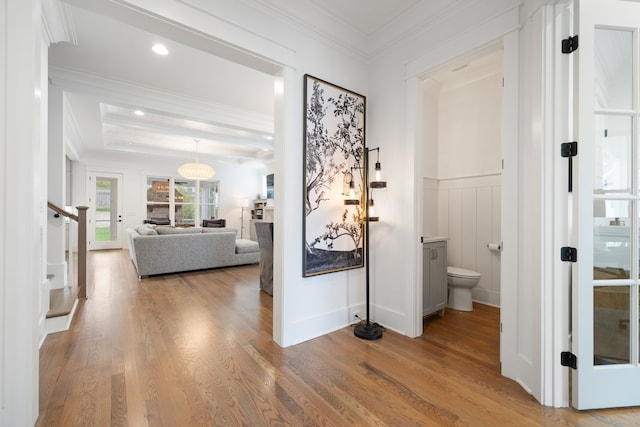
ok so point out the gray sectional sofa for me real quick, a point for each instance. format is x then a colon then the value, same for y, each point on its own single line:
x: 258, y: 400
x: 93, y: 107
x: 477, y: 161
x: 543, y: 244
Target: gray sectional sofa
x: 165, y: 249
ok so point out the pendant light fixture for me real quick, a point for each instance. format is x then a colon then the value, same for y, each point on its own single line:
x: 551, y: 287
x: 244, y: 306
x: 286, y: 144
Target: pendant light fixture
x: 196, y: 170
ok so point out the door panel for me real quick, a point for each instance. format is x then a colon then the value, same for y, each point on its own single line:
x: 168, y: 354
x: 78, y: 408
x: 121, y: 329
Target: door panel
x: 605, y: 279
x: 105, y: 214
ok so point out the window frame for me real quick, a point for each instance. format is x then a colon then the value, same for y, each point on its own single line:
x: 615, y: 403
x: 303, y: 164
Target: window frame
x: 172, y: 203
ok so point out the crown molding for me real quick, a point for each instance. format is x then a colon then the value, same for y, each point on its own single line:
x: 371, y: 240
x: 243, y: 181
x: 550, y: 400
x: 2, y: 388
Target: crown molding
x: 57, y: 22
x: 324, y: 27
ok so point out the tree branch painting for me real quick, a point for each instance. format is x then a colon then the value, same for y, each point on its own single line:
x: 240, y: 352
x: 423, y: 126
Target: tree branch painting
x: 334, y: 135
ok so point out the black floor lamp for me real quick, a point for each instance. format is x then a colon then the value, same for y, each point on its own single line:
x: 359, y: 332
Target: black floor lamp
x: 368, y: 330
x: 243, y: 203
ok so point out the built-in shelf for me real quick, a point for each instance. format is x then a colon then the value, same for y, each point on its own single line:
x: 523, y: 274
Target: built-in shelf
x: 261, y: 211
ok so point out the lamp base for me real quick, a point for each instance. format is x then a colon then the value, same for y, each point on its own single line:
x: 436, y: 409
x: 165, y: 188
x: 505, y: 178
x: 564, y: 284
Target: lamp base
x: 368, y: 331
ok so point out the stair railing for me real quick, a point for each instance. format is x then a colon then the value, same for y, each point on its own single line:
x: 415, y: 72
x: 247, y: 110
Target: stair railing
x: 81, y: 220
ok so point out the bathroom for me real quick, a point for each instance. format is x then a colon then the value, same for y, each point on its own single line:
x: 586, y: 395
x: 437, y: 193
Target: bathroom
x: 462, y: 166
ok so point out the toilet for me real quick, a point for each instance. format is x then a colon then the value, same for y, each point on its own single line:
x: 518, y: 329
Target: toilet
x: 460, y: 283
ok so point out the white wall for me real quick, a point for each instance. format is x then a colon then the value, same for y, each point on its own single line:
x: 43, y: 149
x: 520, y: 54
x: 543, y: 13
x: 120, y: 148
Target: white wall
x: 430, y: 153
x: 431, y: 129
x: 56, y: 265
x: 430, y: 196
x: 469, y: 130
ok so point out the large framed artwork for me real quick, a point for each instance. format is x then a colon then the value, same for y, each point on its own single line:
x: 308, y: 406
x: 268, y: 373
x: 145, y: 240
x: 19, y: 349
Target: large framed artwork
x: 334, y: 143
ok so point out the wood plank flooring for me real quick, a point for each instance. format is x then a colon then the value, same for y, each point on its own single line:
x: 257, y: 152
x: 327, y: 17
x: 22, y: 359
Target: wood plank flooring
x: 195, y: 349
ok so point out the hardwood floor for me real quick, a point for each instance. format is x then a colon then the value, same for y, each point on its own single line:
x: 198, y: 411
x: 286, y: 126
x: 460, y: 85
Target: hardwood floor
x: 195, y: 349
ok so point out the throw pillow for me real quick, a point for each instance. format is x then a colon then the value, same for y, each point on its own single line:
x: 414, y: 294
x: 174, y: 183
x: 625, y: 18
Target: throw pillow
x: 146, y: 230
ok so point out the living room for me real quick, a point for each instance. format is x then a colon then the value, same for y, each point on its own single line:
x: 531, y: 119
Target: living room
x: 143, y: 120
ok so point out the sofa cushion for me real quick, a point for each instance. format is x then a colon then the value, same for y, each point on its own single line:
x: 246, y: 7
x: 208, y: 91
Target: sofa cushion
x: 218, y: 230
x: 167, y: 229
x: 244, y: 246
x: 146, y: 230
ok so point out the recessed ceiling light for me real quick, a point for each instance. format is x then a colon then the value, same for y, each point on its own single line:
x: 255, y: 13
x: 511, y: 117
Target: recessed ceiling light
x: 160, y: 49
x: 139, y: 113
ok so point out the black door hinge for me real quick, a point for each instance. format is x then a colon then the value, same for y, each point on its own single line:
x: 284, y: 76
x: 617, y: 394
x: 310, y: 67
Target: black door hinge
x: 569, y: 359
x: 570, y: 44
x: 569, y: 254
x: 569, y: 150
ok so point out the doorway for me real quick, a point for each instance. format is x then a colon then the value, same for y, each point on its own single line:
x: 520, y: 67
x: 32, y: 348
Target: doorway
x: 506, y: 189
x: 462, y: 166
x: 106, y: 228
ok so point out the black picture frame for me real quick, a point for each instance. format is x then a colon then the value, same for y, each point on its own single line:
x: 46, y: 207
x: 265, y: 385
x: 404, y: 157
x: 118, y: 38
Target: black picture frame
x: 334, y: 146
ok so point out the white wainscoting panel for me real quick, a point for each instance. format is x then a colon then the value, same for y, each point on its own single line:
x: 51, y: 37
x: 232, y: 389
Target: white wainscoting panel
x: 454, y: 214
x: 469, y: 214
x: 469, y: 230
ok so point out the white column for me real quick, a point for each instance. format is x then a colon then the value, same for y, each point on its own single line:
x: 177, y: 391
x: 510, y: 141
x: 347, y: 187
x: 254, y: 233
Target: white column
x: 20, y: 210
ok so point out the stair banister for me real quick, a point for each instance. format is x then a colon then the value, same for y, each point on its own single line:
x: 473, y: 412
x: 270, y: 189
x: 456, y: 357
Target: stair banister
x: 82, y: 251
x: 81, y: 219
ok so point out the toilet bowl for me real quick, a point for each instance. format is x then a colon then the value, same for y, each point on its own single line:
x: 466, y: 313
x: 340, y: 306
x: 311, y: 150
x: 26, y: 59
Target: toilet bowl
x: 460, y: 283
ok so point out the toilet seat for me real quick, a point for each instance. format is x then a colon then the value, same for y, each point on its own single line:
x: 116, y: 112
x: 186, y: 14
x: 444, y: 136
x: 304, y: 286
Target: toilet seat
x: 462, y: 273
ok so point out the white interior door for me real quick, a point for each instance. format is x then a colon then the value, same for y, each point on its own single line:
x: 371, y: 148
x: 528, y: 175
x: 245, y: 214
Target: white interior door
x: 606, y: 207
x: 105, y: 211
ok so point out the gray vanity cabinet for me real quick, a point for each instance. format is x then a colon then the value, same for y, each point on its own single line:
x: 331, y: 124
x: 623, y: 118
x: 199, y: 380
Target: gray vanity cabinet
x: 434, y: 276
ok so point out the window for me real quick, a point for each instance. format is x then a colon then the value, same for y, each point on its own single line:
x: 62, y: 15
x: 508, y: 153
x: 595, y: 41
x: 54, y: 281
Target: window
x: 181, y: 202
x: 158, y: 202
x: 185, y: 202
x: 208, y: 199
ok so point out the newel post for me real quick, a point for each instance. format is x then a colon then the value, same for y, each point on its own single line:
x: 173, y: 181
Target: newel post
x: 82, y: 251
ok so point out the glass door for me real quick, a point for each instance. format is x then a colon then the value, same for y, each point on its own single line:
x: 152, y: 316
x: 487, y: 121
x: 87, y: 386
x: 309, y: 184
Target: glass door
x: 606, y: 207
x: 105, y: 211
